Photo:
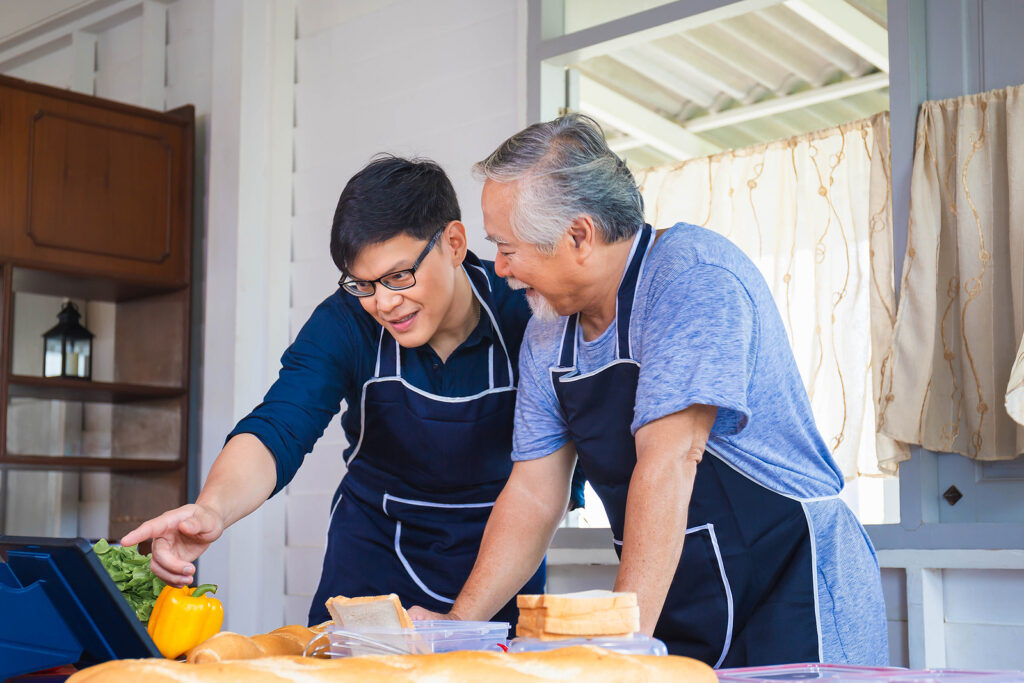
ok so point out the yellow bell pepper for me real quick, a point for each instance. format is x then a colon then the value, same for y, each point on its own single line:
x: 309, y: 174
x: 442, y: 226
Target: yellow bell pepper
x: 184, y: 617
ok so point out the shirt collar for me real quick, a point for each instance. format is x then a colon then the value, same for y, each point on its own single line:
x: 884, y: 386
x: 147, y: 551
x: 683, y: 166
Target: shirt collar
x: 483, y: 331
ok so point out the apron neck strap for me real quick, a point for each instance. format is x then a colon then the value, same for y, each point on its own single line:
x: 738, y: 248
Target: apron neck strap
x: 627, y: 290
x: 625, y: 297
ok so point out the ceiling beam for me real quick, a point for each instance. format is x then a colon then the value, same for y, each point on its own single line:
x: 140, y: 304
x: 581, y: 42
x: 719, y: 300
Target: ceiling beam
x: 783, y: 55
x: 661, y: 53
x: 642, y: 27
x: 847, y: 25
x: 665, y: 76
x: 624, y: 143
x: 829, y: 93
x: 641, y: 123
x: 55, y: 33
x: 789, y: 24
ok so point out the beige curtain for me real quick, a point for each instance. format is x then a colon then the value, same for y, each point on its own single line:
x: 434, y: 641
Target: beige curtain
x: 951, y: 378
x: 814, y: 213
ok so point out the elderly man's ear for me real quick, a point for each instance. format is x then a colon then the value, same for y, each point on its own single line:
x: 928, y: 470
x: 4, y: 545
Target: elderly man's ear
x: 455, y: 237
x: 582, y: 235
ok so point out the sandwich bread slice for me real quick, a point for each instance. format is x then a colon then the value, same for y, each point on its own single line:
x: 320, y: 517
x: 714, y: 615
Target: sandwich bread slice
x: 584, y: 614
x: 376, y: 611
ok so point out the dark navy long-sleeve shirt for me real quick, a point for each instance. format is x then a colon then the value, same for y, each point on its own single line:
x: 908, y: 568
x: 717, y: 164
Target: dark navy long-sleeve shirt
x: 334, y: 355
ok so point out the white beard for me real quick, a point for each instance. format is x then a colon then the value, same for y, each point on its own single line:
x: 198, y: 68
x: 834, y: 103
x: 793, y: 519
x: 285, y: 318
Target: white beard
x: 539, y: 306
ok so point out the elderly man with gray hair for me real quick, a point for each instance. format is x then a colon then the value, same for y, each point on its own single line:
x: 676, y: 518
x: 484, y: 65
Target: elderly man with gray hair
x: 661, y: 361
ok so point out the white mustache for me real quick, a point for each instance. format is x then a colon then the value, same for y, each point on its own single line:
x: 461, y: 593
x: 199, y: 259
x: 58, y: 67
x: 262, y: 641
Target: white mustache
x: 515, y: 284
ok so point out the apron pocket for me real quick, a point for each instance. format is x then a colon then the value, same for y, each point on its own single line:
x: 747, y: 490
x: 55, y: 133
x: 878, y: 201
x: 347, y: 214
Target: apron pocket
x: 437, y: 543
x: 697, y: 619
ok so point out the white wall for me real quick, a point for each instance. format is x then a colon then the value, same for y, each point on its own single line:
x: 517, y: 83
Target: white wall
x: 436, y: 79
x: 292, y: 97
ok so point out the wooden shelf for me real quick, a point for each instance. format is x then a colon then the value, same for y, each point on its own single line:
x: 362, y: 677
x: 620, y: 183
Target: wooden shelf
x: 65, y: 462
x: 42, y: 281
x: 97, y: 206
x: 61, y: 389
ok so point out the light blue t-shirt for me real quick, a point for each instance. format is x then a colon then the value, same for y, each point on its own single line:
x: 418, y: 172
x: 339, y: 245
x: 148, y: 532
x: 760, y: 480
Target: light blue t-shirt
x: 705, y: 330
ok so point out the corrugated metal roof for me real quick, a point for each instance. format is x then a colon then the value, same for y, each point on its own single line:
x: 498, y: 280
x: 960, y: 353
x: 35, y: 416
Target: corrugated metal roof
x: 768, y: 74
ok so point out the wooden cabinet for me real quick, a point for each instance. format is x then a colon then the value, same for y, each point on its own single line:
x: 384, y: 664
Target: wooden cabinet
x: 94, y: 187
x: 96, y: 207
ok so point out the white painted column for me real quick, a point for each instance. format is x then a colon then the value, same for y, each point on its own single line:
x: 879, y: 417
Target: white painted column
x: 247, y: 283
x: 926, y: 629
x: 154, y: 54
x: 83, y: 77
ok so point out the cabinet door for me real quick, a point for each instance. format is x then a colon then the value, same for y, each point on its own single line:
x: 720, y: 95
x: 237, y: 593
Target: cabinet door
x: 94, y: 186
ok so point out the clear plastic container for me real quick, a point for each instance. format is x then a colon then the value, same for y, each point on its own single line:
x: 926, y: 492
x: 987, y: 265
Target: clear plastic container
x: 636, y: 644
x: 957, y: 675
x: 424, y: 638
x: 837, y: 673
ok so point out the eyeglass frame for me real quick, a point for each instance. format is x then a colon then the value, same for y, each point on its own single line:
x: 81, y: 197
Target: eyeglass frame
x: 380, y: 280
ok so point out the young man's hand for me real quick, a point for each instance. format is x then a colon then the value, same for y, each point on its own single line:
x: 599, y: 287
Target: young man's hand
x: 179, y: 537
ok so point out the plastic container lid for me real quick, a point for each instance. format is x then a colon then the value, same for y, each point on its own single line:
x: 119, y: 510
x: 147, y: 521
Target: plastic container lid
x: 841, y: 673
x: 424, y: 638
x: 636, y: 644
x: 959, y: 675
x: 837, y: 673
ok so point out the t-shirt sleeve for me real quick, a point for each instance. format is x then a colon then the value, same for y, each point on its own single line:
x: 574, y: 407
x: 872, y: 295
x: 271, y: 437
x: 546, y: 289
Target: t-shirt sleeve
x: 698, y: 346
x: 540, y: 427
x: 315, y: 372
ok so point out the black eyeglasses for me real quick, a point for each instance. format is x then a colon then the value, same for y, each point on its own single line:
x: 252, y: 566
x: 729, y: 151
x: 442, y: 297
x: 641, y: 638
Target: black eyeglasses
x: 396, y: 281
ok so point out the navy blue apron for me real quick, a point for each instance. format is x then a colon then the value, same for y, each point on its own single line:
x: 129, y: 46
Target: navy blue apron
x: 744, y: 591
x: 411, y: 510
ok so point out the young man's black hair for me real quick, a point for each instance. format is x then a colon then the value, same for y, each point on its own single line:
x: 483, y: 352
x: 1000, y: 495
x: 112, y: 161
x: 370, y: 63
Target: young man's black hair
x: 389, y: 197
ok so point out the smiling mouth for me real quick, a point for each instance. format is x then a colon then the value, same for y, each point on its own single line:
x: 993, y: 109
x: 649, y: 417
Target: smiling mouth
x: 401, y: 323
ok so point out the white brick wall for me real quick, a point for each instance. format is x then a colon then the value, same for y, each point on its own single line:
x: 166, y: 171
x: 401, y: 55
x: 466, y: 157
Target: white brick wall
x: 435, y: 79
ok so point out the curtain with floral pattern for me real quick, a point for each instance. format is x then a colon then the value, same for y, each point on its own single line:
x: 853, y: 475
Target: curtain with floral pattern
x: 954, y: 380
x: 814, y: 213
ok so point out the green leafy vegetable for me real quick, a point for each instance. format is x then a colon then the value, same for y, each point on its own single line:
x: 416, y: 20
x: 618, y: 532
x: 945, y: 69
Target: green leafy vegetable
x: 132, y: 575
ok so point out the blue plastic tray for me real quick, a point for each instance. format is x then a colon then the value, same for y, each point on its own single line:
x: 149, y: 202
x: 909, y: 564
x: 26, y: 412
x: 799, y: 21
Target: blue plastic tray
x: 59, y: 606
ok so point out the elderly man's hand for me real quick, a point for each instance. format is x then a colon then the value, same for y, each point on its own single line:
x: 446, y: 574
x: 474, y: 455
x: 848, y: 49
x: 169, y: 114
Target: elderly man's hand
x: 418, y: 613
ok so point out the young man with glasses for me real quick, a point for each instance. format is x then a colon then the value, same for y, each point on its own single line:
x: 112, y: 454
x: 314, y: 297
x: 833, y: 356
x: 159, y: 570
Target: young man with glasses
x: 421, y: 342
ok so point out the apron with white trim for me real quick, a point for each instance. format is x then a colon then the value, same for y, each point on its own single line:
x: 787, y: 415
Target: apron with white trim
x: 743, y: 593
x: 411, y: 510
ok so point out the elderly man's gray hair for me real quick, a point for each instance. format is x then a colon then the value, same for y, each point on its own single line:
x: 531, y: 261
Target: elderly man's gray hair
x: 564, y: 169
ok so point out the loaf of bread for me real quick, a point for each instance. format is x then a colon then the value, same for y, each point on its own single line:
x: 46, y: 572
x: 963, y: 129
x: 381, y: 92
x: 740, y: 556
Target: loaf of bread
x: 608, y: 622
x: 591, y: 664
x: 586, y: 614
x: 375, y: 611
x: 226, y: 646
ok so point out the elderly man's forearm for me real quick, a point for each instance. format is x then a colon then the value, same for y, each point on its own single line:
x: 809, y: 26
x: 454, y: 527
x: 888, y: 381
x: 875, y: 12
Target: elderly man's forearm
x: 518, y: 534
x: 656, y: 512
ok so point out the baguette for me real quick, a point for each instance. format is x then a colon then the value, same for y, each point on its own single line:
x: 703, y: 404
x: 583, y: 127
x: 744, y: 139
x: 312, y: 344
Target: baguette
x: 576, y: 663
x: 226, y: 646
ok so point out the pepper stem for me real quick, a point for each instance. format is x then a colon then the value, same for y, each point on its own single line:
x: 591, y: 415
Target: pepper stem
x: 204, y: 588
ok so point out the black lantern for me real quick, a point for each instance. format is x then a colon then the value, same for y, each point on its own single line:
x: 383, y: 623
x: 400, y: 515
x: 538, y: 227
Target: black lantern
x: 67, y: 347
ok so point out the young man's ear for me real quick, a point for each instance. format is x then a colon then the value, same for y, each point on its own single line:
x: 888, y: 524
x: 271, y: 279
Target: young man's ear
x: 454, y: 236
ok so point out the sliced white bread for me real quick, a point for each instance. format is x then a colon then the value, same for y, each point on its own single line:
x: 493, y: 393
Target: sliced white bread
x: 584, y: 602
x: 603, y: 622
x: 371, y: 612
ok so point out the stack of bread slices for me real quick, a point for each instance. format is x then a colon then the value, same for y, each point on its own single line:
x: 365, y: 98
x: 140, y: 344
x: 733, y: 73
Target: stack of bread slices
x: 577, y: 615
